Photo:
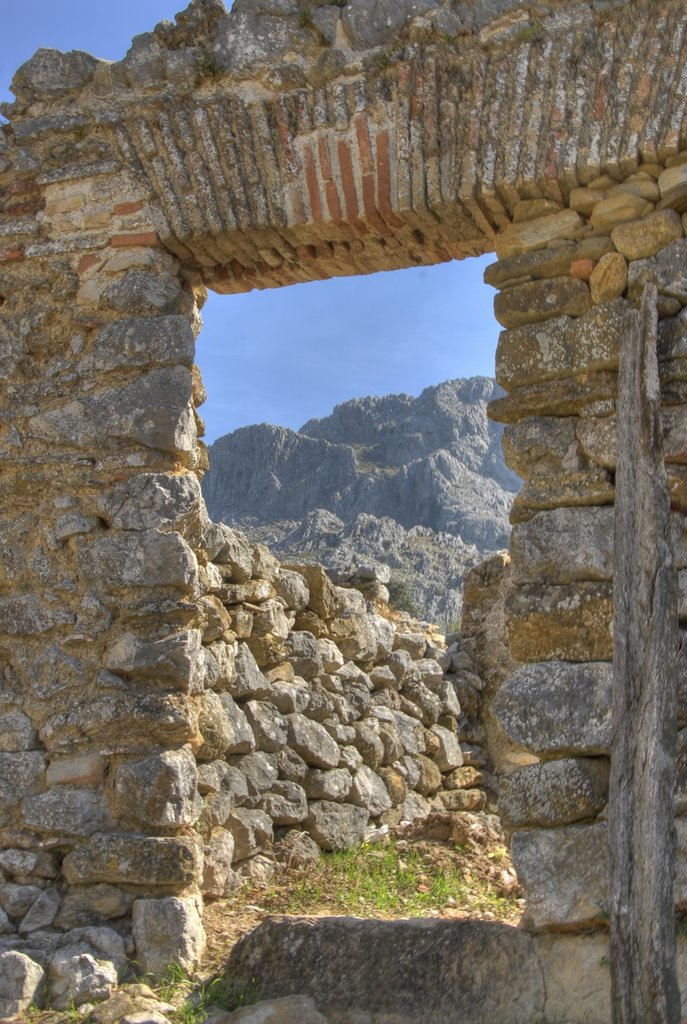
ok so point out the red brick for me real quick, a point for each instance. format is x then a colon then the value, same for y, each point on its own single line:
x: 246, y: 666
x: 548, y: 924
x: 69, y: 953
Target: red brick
x: 8, y: 255
x: 121, y: 209
x: 313, y: 185
x: 147, y: 238
x: 347, y: 180
x: 582, y: 269
x: 384, y: 180
x: 86, y: 262
x: 333, y: 201
x: 364, y: 149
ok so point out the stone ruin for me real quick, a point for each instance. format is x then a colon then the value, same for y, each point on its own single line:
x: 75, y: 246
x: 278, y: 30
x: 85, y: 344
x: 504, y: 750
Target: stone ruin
x: 170, y: 694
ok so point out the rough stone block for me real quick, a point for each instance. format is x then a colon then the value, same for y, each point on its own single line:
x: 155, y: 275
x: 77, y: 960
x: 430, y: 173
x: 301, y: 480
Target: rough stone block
x: 608, y: 279
x: 312, y: 741
x: 21, y: 981
x: 564, y: 546
x: 268, y: 725
x: 557, y: 709
x: 536, y: 301
x: 68, y: 811
x: 563, y: 346
x: 542, y: 446
x: 159, y: 790
x: 368, y: 791
x: 646, y: 237
x: 252, y: 832
x: 168, y: 931
x: 77, y: 977
x: 175, y: 662
x: 82, y: 769
x: 142, y: 341
x: 566, y: 623
x: 19, y: 773
x: 667, y: 270
x: 134, y: 560
x: 618, y: 209
x: 564, y: 874
x: 536, y: 234
x: 336, y: 826
x: 339, y: 961
x: 286, y: 803
x: 449, y: 754
x: 134, y: 860
x: 554, y: 792
x: 218, y: 855
x: 154, y: 411
x: 224, y: 727
x: 154, y: 501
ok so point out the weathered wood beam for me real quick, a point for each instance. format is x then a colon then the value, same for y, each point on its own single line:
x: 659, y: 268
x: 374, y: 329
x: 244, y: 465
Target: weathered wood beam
x: 641, y: 829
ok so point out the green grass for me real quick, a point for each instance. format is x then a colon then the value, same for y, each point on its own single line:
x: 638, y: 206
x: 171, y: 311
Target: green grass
x: 380, y: 879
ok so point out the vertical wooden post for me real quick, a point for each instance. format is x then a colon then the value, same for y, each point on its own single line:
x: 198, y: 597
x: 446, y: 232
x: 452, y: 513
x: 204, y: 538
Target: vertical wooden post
x: 641, y: 829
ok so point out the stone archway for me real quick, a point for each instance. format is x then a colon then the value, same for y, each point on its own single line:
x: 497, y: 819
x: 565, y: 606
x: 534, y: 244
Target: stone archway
x: 283, y: 143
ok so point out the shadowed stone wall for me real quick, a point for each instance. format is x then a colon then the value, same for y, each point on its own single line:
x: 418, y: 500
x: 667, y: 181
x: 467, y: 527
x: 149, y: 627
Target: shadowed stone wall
x: 284, y: 143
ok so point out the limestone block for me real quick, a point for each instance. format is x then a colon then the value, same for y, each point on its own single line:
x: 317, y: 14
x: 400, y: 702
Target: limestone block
x: 414, y: 643
x: 286, y: 803
x: 21, y: 982
x: 144, y: 293
x: 292, y: 588
x: 667, y: 270
x: 608, y: 279
x: 268, y: 725
x: 280, y: 1011
x: 458, y: 800
x: 336, y: 826
x: 322, y: 594
x: 174, y: 662
x: 384, y: 633
x: 20, y: 772
x: 355, y: 637
x: 67, y: 810
x: 312, y: 741
x: 545, y: 263
x: 554, y: 792
x: 218, y: 854
x: 83, y: 769
x: 535, y: 301
x: 84, y: 904
x: 569, y: 623
x: 153, y: 411
x: 565, y: 959
x: 134, y: 860
x: 369, y: 743
x: 168, y: 931
x: 563, y: 346
x: 131, y: 720
x: 339, y: 963
x: 429, y: 776
x: 567, y: 396
x: 154, y: 501
x: 328, y: 785
x: 449, y: 755
x: 252, y: 832
x: 17, y: 899
x: 618, y: 209
x: 290, y: 696
x: 304, y: 654
x: 410, y: 732
x: 332, y: 658
x: 41, y: 913
x: 427, y: 705
x: 76, y: 977
x: 402, y: 665
x: 672, y: 177
x: 224, y: 727
x: 249, y: 681
x: 643, y: 238
x: 564, y: 875
x: 123, y: 560
x: 24, y: 863
x: 229, y: 548
x: 588, y: 487
x: 564, y: 545
x: 260, y: 771
x: 51, y: 74
x: 368, y: 791
x: 25, y: 615
x: 557, y: 709
x: 598, y: 439
x: 541, y: 446
x: 141, y: 341
x: 535, y: 234
x: 160, y: 790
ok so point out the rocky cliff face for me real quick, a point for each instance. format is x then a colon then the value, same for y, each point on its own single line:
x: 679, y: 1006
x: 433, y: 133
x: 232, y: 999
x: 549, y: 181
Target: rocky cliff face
x: 418, y: 484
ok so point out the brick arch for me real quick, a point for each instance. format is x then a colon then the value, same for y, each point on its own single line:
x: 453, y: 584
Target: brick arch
x: 252, y: 150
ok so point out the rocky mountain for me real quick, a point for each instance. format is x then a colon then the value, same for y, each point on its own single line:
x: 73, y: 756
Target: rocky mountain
x: 418, y: 484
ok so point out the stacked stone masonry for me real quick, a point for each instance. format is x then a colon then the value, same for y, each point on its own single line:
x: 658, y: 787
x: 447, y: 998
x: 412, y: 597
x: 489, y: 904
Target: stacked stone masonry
x: 280, y: 143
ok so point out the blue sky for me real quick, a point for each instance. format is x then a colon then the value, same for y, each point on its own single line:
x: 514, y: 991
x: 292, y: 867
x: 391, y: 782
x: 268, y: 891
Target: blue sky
x: 285, y: 355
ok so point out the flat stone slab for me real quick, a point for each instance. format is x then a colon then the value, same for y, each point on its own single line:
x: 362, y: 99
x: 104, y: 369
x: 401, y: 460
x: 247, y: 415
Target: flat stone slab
x: 405, y: 972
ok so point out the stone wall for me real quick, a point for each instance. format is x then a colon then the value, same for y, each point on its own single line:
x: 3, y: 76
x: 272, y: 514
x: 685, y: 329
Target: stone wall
x: 253, y: 149
x: 570, y: 281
